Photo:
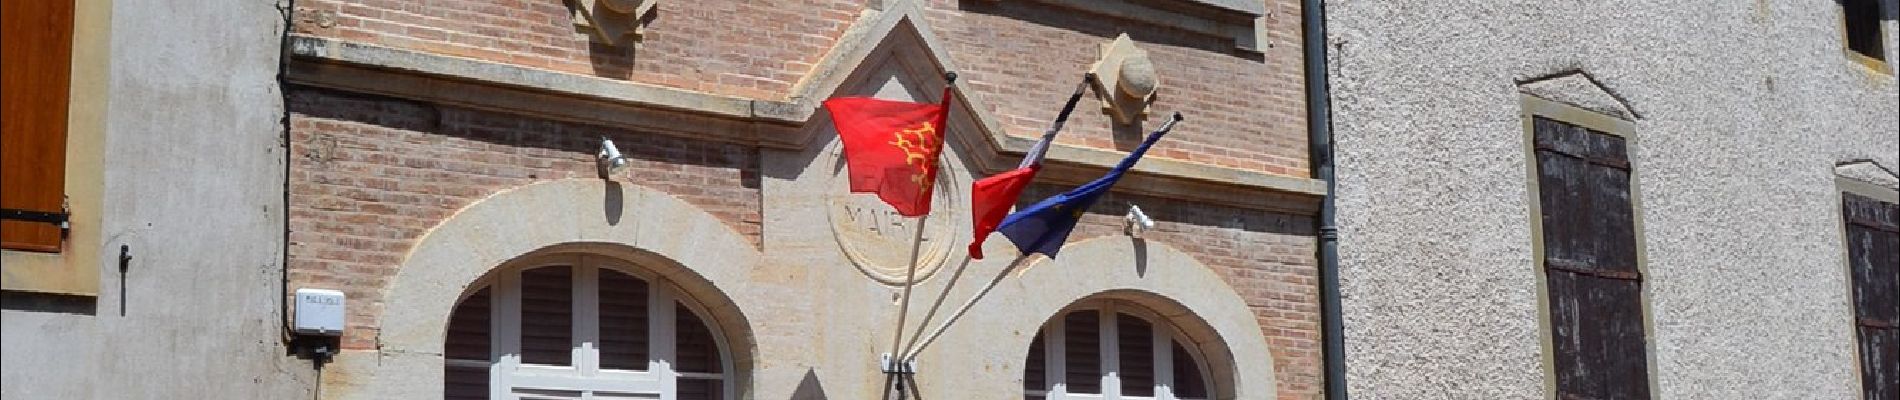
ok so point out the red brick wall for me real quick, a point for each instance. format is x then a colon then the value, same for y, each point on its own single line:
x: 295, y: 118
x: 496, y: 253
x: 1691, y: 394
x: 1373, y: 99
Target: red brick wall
x: 1269, y: 258
x: 370, y: 175
x: 754, y: 49
x: 1023, y: 57
x: 1242, y: 111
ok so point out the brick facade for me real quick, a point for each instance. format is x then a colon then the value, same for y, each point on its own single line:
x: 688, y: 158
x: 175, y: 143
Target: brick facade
x: 1267, y: 257
x: 1020, y: 56
x: 370, y: 175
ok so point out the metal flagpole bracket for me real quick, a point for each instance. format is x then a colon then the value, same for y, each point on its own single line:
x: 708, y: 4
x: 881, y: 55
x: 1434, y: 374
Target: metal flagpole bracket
x: 890, y: 365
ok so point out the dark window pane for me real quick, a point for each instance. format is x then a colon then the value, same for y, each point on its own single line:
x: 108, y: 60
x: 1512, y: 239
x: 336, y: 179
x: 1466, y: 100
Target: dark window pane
x: 697, y: 350
x: 1134, y: 339
x: 623, y: 321
x: 1035, y: 370
x: 1188, y: 381
x: 468, y: 329
x: 1863, y: 27
x: 547, y: 316
x: 1083, y: 351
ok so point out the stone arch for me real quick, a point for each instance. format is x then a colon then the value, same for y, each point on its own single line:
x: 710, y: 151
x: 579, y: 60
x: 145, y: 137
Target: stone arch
x: 1167, y: 281
x: 643, y: 226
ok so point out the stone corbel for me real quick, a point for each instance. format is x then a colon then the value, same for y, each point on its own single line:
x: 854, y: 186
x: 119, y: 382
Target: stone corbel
x: 1125, y: 80
x: 612, y: 22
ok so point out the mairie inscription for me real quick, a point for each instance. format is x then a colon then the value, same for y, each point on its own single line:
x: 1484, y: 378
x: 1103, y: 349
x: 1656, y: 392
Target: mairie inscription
x: 878, y: 240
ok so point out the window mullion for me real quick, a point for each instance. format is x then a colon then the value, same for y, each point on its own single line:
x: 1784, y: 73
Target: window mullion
x: 1163, y: 364
x: 586, y: 344
x: 1055, y: 350
x: 661, y: 342
x: 505, y: 334
x: 1109, y: 338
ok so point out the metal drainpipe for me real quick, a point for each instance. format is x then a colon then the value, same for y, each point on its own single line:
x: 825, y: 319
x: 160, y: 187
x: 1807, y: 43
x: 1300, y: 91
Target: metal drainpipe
x: 1319, y: 126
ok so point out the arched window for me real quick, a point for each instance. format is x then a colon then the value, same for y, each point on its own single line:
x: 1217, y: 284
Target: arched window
x: 1108, y: 349
x: 579, y: 326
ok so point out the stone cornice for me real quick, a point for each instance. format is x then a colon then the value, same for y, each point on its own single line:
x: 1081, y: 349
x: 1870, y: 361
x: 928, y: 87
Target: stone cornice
x: 356, y: 67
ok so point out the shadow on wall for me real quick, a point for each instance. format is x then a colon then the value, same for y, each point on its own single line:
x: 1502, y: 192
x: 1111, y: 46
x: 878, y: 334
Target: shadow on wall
x: 440, y: 124
x: 616, y: 61
x: 809, y: 388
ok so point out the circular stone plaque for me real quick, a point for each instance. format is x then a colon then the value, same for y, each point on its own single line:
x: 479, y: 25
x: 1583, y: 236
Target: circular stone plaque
x: 878, y: 240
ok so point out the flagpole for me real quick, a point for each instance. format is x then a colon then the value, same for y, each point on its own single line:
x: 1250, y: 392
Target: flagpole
x: 954, y: 316
x: 912, y: 353
x: 1061, y: 118
x: 897, y: 365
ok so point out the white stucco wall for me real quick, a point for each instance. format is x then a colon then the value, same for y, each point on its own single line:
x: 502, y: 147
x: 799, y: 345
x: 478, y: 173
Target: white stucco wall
x: 194, y: 186
x: 1742, y: 109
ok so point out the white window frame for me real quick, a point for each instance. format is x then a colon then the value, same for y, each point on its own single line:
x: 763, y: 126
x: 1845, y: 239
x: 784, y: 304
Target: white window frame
x: 1055, y: 368
x: 510, y: 378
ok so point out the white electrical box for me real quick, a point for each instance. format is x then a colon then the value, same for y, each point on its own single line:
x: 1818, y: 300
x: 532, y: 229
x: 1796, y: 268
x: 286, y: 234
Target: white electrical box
x: 319, y: 312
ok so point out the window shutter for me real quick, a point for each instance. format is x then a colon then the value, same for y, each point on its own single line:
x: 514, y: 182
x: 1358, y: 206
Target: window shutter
x: 1082, y: 351
x: 1188, y: 382
x: 1035, y: 369
x: 547, y: 316
x: 1136, y: 342
x: 36, y: 37
x: 623, y: 321
x: 468, y: 340
x: 1594, y: 284
x: 1873, y: 253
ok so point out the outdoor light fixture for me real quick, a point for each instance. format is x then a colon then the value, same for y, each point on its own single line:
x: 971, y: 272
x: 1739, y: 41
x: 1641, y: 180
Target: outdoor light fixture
x: 610, y: 162
x: 1136, y: 222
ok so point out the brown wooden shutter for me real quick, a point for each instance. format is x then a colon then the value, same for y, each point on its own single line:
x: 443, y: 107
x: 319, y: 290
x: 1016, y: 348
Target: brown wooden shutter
x: 623, y: 321
x: 1873, y: 254
x: 1590, y: 266
x: 1082, y: 351
x: 36, y: 39
x: 1135, y: 343
x: 468, y: 339
x: 547, y: 316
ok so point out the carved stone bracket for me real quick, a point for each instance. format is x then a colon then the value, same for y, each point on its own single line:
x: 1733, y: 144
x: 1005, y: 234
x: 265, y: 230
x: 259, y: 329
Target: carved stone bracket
x: 1125, y: 80
x: 612, y: 22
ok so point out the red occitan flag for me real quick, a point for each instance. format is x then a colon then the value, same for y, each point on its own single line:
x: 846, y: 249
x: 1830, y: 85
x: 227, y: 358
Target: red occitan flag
x: 891, y: 148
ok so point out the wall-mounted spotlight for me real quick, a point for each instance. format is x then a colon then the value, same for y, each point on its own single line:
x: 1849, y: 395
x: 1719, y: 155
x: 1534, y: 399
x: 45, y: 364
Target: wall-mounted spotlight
x: 610, y: 162
x: 1136, y: 222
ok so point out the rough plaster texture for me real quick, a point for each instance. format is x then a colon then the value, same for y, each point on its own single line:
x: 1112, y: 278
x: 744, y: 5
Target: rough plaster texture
x: 193, y: 180
x: 1744, y: 109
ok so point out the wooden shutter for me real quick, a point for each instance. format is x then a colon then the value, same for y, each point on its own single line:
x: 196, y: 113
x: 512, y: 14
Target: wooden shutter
x: 1082, y: 351
x: 623, y: 321
x: 547, y: 316
x: 1873, y: 253
x: 1036, y: 367
x: 1135, y: 355
x: 468, y: 339
x: 1595, y: 286
x: 1188, y: 382
x: 36, y: 39
x: 697, y: 352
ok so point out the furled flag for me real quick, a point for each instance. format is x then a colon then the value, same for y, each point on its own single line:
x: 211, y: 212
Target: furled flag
x: 991, y: 197
x: 891, y: 148
x: 1042, y: 227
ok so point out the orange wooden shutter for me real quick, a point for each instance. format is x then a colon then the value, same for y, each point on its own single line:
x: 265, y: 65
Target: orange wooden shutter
x: 35, y: 72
